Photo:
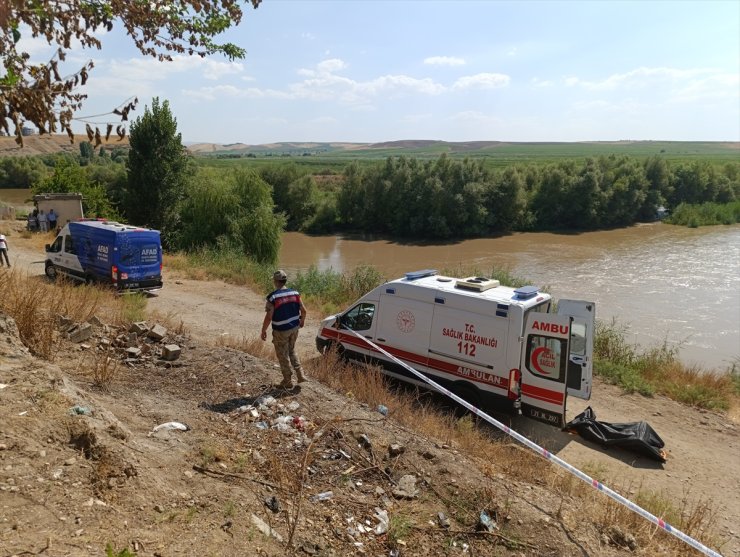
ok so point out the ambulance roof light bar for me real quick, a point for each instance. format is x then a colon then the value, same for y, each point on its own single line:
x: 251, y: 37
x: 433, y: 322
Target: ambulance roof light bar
x: 526, y: 292
x: 421, y: 274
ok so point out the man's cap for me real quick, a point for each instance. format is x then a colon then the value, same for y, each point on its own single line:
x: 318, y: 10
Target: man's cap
x: 280, y: 275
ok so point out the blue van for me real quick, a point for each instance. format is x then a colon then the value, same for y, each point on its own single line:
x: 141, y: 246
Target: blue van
x: 128, y: 257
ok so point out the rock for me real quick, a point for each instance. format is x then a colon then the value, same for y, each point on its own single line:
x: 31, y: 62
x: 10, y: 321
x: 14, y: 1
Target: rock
x: 429, y: 455
x: 258, y: 458
x: 95, y: 321
x: 3, y: 447
x: 622, y: 539
x: 139, y: 328
x: 133, y: 352
x: 157, y: 332
x: 133, y: 340
x: 442, y: 520
x: 273, y: 504
x: 262, y: 526
x: 80, y: 333
x: 171, y: 352
x: 70, y: 461
x: 396, y: 449
x: 159, y: 508
x: 406, y: 488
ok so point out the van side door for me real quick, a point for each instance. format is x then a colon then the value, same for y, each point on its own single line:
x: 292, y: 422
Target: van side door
x: 581, y: 359
x: 69, y: 262
x: 544, y: 367
x: 360, y: 318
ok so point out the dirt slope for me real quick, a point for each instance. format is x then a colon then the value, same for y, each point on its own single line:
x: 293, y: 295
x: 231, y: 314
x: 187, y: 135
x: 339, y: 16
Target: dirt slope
x: 704, y: 449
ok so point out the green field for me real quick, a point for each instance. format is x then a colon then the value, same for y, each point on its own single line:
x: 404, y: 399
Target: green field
x: 321, y: 156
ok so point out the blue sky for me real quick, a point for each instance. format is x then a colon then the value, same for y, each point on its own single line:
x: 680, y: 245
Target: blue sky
x: 373, y: 70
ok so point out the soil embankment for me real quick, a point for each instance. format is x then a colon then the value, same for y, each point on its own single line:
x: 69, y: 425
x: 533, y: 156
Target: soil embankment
x: 143, y: 492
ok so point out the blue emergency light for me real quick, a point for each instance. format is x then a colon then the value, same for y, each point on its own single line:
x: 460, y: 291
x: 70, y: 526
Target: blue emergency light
x: 526, y: 292
x: 420, y: 274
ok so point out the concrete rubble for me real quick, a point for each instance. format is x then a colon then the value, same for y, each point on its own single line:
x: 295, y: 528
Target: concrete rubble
x: 139, y: 344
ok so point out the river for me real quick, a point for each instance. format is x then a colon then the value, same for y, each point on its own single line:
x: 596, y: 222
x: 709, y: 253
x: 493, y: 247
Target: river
x: 665, y: 283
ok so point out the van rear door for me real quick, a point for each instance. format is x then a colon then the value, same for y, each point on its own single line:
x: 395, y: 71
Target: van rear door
x: 544, y: 367
x: 139, y: 260
x: 581, y: 360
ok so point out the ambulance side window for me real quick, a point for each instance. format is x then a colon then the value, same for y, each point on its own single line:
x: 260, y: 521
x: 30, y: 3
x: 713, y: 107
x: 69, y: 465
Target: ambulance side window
x: 578, y: 338
x: 69, y: 246
x: 56, y: 247
x: 546, y: 357
x: 360, y: 317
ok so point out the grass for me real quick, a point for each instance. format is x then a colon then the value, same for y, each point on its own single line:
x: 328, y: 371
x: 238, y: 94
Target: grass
x: 657, y: 369
x: 705, y: 214
x: 34, y: 304
x: 134, y: 306
x: 325, y: 290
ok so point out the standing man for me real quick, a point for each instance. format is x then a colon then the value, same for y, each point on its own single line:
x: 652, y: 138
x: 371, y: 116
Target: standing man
x: 52, y: 218
x: 4, y: 250
x: 285, y: 310
x: 43, y: 222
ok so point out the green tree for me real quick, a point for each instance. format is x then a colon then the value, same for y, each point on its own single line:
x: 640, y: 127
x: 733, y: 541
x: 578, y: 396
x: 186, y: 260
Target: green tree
x: 47, y: 94
x: 21, y: 172
x: 86, y: 152
x: 231, y: 210
x: 158, y: 171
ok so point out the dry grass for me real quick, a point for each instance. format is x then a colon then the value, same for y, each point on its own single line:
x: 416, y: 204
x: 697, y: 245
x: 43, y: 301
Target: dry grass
x: 34, y: 304
x: 104, y: 366
x: 250, y: 344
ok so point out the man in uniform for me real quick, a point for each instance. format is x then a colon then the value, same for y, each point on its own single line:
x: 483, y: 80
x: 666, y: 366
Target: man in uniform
x: 285, y: 310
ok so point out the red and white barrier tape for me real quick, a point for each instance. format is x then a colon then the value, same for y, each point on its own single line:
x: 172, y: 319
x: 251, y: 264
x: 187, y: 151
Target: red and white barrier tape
x: 548, y: 455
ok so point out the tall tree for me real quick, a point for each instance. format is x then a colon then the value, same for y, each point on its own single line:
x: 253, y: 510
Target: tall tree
x: 158, y: 171
x: 46, y: 94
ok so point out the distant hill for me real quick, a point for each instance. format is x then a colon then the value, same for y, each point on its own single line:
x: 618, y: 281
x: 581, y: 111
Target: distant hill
x: 495, y: 152
x: 49, y: 144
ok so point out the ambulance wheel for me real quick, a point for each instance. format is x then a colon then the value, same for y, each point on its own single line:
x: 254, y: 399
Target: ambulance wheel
x: 50, y: 271
x: 468, y: 392
x: 89, y: 279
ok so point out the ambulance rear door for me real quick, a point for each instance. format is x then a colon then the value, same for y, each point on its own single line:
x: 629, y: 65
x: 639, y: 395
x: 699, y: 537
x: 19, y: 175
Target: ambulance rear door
x: 544, y: 367
x: 581, y: 359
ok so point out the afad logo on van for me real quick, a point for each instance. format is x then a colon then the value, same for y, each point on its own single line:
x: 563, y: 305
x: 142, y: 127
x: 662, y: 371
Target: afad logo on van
x: 550, y: 328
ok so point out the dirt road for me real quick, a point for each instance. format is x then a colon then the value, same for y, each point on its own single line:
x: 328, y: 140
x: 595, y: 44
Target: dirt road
x: 704, y: 446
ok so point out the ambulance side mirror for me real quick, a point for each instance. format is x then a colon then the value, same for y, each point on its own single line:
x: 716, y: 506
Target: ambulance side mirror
x: 47, y: 247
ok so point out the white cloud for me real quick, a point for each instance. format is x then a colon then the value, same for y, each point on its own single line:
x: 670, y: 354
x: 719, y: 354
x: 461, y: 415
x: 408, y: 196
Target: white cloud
x: 308, y: 36
x: 537, y: 82
x: 512, y: 51
x: 667, y: 84
x: 482, y: 81
x: 444, y: 61
x: 323, y: 82
x: 323, y: 120
x: 640, y: 77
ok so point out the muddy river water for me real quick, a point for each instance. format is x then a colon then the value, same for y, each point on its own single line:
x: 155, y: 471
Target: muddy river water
x: 664, y: 282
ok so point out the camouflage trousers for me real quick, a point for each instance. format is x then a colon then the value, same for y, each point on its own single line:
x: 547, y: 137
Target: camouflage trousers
x: 284, y: 342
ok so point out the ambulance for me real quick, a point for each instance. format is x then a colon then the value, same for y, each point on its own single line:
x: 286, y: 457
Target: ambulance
x: 497, y: 347
x: 96, y: 250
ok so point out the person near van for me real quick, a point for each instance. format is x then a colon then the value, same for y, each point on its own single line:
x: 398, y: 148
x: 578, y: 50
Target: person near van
x: 43, y: 222
x: 52, y: 218
x: 33, y: 223
x: 4, y: 250
x: 286, y: 312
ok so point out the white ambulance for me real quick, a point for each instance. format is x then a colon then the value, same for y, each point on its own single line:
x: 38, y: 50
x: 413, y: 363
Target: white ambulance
x: 495, y: 346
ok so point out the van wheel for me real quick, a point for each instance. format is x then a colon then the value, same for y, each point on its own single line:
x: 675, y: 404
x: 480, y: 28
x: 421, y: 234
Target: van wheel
x: 50, y: 271
x: 89, y: 279
x: 468, y: 392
